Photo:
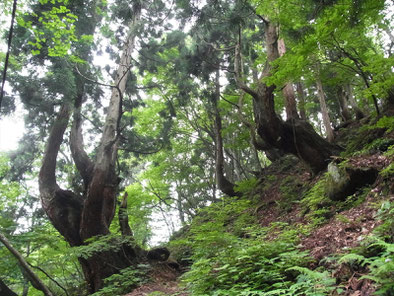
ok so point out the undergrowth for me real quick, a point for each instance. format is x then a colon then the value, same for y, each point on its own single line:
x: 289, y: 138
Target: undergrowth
x: 370, y: 138
x: 247, y: 262
x: 124, y: 281
x: 231, y: 254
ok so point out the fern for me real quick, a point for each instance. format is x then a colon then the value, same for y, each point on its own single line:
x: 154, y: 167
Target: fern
x: 353, y: 258
x: 123, y: 282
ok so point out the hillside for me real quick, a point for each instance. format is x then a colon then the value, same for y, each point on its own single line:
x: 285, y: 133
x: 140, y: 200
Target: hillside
x: 285, y: 236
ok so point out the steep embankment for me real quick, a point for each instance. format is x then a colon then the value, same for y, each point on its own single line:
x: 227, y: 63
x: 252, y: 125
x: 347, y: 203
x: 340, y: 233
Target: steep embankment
x: 297, y: 234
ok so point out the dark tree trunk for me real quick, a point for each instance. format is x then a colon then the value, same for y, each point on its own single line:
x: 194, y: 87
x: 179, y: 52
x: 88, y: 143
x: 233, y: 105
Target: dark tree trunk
x: 4, y: 290
x: 124, y: 218
x: 294, y: 136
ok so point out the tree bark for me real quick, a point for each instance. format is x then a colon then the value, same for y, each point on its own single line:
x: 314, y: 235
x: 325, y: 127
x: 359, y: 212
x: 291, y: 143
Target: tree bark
x: 301, y: 100
x: 288, y: 90
x: 295, y: 136
x: 80, y: 217
x: 123, y: 217
x: 222, y: 182
x: 349, y: 93
x: 33, y: 278
x: 343, y: 104
x: 324, y: 110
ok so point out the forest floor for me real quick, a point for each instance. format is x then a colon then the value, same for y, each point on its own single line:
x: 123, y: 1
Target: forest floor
x: 159, y: 289
x: 164, y: 281
x: 279, y: 190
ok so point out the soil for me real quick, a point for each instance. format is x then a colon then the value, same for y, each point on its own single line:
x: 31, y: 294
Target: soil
x: 343, y: 231
x: 159, y: 289
x: 164, y: 282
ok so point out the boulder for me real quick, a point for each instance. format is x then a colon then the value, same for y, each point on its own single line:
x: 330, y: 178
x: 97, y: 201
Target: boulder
x: 345, y: 181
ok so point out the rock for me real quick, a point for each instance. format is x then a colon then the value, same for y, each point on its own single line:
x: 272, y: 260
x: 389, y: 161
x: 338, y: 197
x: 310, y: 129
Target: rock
x: 343, y: 182
x: 158, y: 254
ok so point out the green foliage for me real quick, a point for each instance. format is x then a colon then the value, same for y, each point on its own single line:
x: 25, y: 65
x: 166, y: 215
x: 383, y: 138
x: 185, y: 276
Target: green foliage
x: 386, y: 123
x: 388, y: 171
x: 316, y: 203
x: 139, y: 209
x: 386, y: 213
x: 226, y: 264
x: 245, y: 267
x: 246, y: 186
x: 124, y: 281
x: 57, y: 31
x: 370, y: 138
x: 380, y: 265
x: 102, y: 243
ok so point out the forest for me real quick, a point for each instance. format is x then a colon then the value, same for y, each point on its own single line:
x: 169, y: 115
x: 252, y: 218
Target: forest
x: 197, y: 147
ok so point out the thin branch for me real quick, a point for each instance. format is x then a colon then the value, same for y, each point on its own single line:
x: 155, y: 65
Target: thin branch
x: 231, y: 103
x: 93, y: 81
x: 158, y: 196
x: 48, y: 276
x: 238, y: 69
x: 141, y: 152
x: 7, y: 57
x: 219, y: 49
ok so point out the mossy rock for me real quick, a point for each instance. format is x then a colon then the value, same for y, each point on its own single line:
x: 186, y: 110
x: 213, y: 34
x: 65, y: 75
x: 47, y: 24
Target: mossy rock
x: 345, y: 181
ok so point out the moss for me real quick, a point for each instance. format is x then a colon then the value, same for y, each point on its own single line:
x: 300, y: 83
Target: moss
x: 290, y: 189
x: 365, y: 136
x: 388, y: 172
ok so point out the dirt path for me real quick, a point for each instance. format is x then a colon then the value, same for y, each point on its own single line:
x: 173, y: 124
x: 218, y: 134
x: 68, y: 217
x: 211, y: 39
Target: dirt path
x: 164, y: 282
x: 159, y: 289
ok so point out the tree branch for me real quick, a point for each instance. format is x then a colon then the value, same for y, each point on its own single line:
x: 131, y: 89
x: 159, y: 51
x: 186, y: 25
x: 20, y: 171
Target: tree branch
x: 47, y: 176
x: 82, y: 161
x: 33, y: 278
x: 51, y: 278
x: 238, y: 74
x: 7, y: 57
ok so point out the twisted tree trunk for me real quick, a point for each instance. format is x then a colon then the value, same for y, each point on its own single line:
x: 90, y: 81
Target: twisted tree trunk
x: 80, y: 217
x: 294, y: 136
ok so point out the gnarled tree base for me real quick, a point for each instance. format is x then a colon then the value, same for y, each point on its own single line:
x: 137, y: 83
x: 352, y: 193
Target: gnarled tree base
x: 298, y: 137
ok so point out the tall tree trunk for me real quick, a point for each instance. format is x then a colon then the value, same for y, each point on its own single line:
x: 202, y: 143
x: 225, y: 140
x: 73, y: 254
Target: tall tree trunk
x: 288, y: 90
x: 296, y: 136
x: 324, y: 110
x: 349, y: 93
x: 343, y: 104
x: 222, y: 182
x: 301, y: 100
x: 124, y: 218
x: 76, y: 217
